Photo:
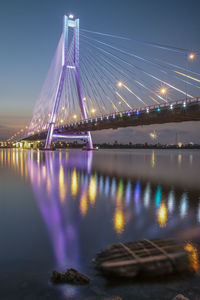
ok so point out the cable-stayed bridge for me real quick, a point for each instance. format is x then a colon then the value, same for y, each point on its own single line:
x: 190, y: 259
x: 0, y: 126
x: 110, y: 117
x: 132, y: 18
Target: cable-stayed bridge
x: 99, y: 81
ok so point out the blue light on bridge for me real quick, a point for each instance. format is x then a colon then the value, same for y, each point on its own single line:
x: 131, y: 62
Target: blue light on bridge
x: 137, y: 113
x: 158, y: 109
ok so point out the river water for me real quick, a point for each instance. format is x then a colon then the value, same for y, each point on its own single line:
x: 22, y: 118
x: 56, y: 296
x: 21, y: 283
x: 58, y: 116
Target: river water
x: 58, y: 209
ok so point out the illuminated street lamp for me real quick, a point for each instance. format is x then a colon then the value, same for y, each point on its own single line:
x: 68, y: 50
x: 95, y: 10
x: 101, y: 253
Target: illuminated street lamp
x: 191, y: 56
x: 120, y: 84
x: 163, y: 90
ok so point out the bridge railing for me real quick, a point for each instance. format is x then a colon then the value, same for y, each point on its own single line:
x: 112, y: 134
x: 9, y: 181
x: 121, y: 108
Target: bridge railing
x: 137, y: 110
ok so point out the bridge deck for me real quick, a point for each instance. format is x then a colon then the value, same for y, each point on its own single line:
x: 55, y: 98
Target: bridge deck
x: 179, y: 111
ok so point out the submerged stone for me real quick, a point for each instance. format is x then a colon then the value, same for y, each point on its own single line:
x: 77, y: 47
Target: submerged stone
x: 70, y: 276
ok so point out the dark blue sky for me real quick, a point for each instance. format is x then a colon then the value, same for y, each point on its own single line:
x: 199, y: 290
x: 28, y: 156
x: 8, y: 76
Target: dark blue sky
x: 30, y: 30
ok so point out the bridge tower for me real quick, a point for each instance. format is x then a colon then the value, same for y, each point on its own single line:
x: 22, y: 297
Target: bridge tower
x: 74, y: 24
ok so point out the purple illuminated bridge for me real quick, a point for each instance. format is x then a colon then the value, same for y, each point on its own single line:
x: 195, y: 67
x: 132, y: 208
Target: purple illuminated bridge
x: 99, y: 81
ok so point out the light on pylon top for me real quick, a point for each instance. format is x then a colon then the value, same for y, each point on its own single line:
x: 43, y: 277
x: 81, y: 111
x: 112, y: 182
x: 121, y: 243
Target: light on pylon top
x: 71, y: 16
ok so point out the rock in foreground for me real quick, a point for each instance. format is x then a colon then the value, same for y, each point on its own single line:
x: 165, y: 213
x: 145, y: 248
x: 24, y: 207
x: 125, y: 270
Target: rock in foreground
x: 180, y: 297
x: 70, y: 276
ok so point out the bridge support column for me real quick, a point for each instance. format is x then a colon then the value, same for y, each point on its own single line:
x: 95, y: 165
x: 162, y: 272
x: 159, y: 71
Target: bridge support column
x: 75, y: 25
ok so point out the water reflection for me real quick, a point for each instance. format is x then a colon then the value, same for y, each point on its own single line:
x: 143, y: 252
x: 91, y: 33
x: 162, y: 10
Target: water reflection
x: 69, y: 191
x: 74, y: 184
x: 92, y: 190
x: 171, y: 200
x: 162, y: 215
x: 193, y: 256
x: 183, y: 205
x: 147, y: 196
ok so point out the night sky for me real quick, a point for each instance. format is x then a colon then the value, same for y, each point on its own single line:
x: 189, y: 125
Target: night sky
x: 29, y: 33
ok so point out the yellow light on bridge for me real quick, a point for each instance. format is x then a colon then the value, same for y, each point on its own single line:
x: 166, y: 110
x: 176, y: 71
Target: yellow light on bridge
x: 63, y: 108
x: 163, y: 90
x: 191, y: 56
x: 61, y: 121
x: 74, y: 116
x: 93, y: 110
x: 120, y: 84
x: 84, y: 99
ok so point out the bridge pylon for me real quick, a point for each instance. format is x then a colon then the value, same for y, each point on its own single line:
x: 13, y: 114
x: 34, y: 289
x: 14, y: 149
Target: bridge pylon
x: 74, y: 24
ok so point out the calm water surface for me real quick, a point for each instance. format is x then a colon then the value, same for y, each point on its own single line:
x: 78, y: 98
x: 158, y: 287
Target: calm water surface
x: 58, y: 209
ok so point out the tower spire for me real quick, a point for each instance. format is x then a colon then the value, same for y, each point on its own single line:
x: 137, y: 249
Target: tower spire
x: 74, y: 24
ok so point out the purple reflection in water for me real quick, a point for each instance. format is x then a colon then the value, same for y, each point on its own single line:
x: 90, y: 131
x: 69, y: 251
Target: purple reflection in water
x: 48, y: 180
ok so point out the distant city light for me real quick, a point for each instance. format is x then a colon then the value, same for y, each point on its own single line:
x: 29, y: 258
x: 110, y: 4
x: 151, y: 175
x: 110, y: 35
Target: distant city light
x: 153, y: 135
